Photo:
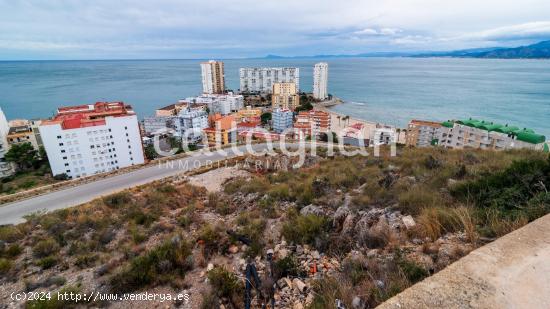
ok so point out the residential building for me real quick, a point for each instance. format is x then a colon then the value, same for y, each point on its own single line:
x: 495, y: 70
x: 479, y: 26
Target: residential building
x: 158, y: 125
x: 22, y: 134
x: 249, y: 113
x: 281, y: 119
x: 6, y: 168
x: 262, y: 79
x: 285, y: 96
x: 312, y: 122
x: 213, y: 79
x: 190, y: 123
x: 422, y: 133
x: 91, y: 139
x: 320, y: 81
x: 248, y: 126
x: 383, y: 136
x: 223, y: 104
x: 35, y: 124
x: 481, y: 134
x: 171, y: 110
x: 222, y: 130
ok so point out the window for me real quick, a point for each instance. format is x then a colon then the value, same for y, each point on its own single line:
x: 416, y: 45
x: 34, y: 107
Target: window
x: 60, y: 144
x: 62, y: 150
x: 64, y: 158
x: 68, y: 171
x: 59, y: 137
x: 66, y: 164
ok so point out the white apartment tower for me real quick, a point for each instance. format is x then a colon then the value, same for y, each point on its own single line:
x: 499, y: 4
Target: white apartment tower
x: 262, y: 79
x: 320, y: 81
x: 91, y: 139
x: 6, y: 168
x: 213, y: 78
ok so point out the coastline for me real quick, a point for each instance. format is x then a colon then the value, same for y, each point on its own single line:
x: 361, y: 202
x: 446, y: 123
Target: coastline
x: 340, y: 122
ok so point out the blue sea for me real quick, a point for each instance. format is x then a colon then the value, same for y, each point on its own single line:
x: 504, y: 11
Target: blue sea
x: 387, y: 90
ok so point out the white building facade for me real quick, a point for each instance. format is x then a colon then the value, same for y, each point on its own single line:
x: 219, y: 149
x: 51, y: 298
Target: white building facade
x: 6, y: 168
x: 190, y: 122
x: 219, y: 103
x: 91, y: 139
x: 262, y: 79
x: 320, y: 81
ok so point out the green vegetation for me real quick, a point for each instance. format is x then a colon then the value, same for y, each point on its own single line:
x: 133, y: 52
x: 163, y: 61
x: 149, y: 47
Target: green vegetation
x: 159, y: 265
x: 308, y: 229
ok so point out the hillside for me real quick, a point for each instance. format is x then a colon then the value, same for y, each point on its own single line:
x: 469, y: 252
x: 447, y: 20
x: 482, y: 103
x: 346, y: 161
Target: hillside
x: 356, y: 229
x: 540, y: 50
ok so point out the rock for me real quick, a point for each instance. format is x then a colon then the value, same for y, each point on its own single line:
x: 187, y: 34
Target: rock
x: 340, y: 216
x: 288, y: 282
x: 282, y: 253
x: 315, y: 254
x: 451, y: 182
x: 348, y: 225
x: 312, y: 210
x: 408, y: 221
x: 233, y: 249
x: 309, y: 299
x: 357, y: 303
x: 379, y: 284
x: 298, y: 285
x: 372, y: 253
x: 209, y: 267
x: 299, y: 250
x: 297, y: 305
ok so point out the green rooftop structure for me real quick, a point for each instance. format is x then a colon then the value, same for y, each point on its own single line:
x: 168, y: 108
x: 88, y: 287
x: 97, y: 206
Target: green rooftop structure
x: 524, y: 135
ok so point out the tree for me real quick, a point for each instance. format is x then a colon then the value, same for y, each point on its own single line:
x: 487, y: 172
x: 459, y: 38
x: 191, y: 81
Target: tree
x: 266, y: 117
x: 23, y: 155
x: 150, y: 152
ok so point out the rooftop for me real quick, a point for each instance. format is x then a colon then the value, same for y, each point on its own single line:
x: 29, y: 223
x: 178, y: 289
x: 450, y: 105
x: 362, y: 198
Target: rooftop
x: 73, y: 117
x: 525, y: 134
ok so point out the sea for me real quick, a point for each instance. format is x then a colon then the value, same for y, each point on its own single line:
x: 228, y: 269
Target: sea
x: 386, y: 90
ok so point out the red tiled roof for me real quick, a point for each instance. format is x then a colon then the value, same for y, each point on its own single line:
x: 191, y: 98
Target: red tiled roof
x: 81, y: 116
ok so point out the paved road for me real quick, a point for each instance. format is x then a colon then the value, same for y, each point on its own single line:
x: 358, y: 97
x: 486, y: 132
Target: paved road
x: 13, y: 213
x: 512, y: 272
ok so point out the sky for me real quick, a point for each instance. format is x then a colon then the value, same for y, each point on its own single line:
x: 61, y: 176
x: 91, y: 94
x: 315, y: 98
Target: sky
x: 189, y: 29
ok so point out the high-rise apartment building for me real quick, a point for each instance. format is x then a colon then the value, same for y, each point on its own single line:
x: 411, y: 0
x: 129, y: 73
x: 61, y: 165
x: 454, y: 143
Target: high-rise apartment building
x: 213, y: 79
x: 285, y: 96
x: 6, y: 168
x: 262, y: 79
x: 320, y: 81
x: 91, y: 139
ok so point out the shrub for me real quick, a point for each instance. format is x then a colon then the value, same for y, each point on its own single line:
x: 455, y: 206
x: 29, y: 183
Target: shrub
x: 308, y: 229
x: 10, y: 233
x: 225, y: 284
x: 413, y: 200
x: 13, y: 251
x: 172, y: 258
x: 412, y: 271
x: 5, y: 266
x: 86, y: 260
x: 288, y: 267
x: 45, y: 248
x: 117, y: 200
x: 47, y: 262
x: 328, y: 290
x: 213, y: 239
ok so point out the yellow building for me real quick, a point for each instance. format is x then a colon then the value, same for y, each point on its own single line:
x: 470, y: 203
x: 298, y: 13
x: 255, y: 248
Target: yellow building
x: 248, y: 113
x: 222, y: 130
x: 213, y: 77
x: 285, y: 96
x: 22, y: 134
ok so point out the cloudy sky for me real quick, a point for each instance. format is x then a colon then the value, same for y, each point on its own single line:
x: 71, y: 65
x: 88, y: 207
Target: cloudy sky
x: 109, y: 29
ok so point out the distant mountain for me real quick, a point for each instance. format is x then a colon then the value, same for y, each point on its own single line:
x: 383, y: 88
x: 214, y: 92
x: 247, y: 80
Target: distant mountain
x: 535, y: 51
